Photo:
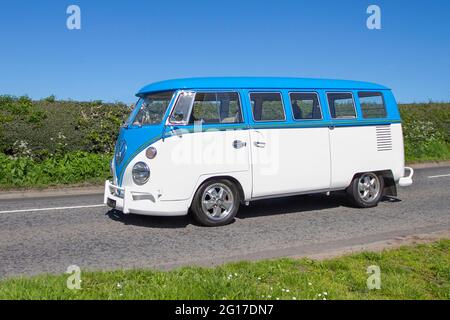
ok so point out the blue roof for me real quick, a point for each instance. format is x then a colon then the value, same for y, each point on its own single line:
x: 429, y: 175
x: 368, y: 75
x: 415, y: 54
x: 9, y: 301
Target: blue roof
x: 257, y: 83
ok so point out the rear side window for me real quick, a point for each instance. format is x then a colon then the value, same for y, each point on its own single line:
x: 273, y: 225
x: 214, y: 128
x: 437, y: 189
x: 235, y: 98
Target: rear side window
x: 267, y: 106
x: 305, y: 105
x: 216, y: 107
x: 341, y: 105
x: 372, y: 104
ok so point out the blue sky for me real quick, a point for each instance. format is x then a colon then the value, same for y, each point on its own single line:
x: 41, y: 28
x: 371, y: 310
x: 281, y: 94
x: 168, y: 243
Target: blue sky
x: 124, y: 45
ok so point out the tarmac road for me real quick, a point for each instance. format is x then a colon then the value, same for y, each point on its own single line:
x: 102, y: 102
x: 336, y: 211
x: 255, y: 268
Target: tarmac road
x: 48, y: 234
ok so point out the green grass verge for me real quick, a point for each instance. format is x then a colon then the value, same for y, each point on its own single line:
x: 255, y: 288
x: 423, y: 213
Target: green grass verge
x: 413, y: 272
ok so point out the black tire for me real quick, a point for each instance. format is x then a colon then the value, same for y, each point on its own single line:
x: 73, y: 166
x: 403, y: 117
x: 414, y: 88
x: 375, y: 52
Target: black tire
x: 363, y: 195
x: 205, y: 217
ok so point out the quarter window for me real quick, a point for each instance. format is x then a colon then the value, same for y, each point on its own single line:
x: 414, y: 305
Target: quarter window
x: 181, y: 112
x: 372, y: 104
x: 216, y: 107
x: 305, y: 105
x: 267, y: 106
x: 341, y: 105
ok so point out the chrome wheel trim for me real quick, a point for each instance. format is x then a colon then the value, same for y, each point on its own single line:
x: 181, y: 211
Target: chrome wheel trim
x: 217, y: 201
x: 368, y: 187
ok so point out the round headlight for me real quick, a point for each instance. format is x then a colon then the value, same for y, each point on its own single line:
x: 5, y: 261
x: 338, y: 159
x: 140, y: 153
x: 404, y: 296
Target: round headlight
x: 151, y: 152
x: 141, y: 173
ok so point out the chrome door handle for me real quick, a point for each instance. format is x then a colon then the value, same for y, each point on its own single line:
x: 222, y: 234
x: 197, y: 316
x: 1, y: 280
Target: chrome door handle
x: 237, y: 144
x: 260, y: 144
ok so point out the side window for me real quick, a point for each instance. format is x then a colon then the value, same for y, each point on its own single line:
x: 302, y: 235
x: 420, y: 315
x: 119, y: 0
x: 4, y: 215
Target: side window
x: 267, y: 106
x: 305, y: 105
x: 372, y: 104
x: 216, y: 107
x: 341, y: 105
x: 181, y: 112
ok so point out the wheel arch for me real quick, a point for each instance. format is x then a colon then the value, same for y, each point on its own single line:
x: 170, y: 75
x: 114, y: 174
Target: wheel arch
x: 390, y: 188
x: 232, y: 179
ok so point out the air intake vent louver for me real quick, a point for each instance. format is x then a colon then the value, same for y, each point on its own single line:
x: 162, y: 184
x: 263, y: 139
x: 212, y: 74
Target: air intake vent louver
x: 384, y: 138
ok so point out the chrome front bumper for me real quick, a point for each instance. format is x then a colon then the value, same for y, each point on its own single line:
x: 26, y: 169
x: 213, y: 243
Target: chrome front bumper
x: 115, y: 197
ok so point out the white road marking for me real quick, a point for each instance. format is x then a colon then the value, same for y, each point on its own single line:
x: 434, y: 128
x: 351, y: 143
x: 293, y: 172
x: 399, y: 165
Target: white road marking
x: 439, y: 176
x: 51, y: 209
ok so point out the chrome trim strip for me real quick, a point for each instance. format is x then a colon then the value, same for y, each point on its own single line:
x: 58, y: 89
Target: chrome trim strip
x: 281, y: 195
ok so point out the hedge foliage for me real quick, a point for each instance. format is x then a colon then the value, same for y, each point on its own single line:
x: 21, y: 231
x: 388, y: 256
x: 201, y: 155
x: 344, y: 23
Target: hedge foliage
x: 47, y: 127
x: 59, y: 142
x: 73, y: 167
x: 426, y: 130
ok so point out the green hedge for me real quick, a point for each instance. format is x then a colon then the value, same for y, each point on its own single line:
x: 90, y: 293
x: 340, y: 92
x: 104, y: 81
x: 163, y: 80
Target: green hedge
x: 59, y: 142
x: 74, y: 167
x: 426, y: 130
x: 47, y: 127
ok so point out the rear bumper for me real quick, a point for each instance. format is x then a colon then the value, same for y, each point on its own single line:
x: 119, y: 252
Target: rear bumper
x: 407, y: 180
x: 139, y: 202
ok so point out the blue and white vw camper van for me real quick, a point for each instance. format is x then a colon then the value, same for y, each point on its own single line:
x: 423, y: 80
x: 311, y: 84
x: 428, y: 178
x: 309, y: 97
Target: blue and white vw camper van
x: 207, y: 145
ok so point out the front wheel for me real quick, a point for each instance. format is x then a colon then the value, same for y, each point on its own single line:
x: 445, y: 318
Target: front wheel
x: 366, y: 190
x: 215, y: 203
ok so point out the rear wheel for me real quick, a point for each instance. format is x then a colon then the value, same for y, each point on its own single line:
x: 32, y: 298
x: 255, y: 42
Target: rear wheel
x: 366, y: 190
x: 215, y: 203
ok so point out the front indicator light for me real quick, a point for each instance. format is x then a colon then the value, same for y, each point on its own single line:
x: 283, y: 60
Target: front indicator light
x: 151, y: 152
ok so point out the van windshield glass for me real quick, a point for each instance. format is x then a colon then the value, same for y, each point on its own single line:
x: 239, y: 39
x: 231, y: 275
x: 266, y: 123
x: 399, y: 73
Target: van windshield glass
x: 152, y: 108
